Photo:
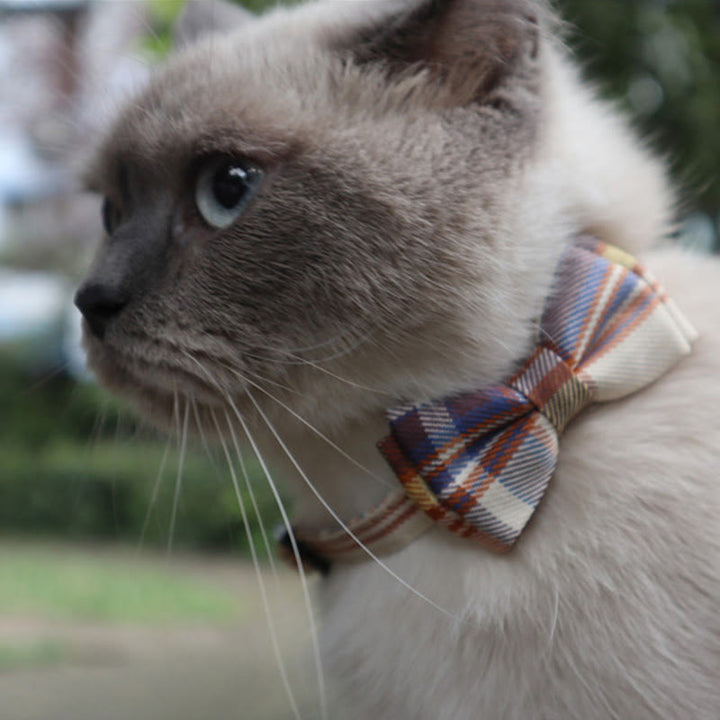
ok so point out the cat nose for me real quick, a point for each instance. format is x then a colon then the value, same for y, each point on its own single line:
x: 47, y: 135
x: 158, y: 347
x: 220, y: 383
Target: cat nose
x: 99, y: 304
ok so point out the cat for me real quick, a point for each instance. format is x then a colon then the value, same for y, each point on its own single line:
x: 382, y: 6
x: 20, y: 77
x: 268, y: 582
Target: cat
x: 321, y: 212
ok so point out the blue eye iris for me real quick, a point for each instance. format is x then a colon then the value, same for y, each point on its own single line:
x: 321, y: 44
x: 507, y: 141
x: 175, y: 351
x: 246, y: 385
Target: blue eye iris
x: 223, y: 189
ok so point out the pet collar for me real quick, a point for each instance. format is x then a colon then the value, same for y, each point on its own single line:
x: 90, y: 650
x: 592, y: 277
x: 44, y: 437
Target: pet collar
x: 479, y: 463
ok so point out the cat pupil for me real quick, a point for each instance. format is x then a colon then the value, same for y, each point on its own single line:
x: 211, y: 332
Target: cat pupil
x: 223, y: 188
x: 229, y: 185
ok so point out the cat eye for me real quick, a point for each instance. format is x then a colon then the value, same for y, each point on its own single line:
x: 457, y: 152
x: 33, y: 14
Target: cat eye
x: 223, y: 189
x: 110, y: 216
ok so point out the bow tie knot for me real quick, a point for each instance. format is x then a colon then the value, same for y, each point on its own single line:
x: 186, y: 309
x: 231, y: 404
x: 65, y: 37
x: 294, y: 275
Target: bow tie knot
x: 553, y: 387
x: 480, y: 462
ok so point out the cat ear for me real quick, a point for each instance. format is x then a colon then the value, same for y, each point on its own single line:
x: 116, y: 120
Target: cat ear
x: 203, y: 17
x: 470, y: 45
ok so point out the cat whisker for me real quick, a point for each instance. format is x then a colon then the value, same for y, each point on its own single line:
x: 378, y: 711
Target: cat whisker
x: 142, y: 17
x: 337, y: 518
x: 319, y: 433
x: 253, y: 500
x: 155, y: 493
x: 118, y: 428
x: 351, y: 383
x: 261, y: 582
x: 312, y: 488
x: 47, y: 377
x: 298, y: 561
x: 340, y: 353
x: 176, y: 411
x: 98, y: 426
x: 544, y: 333
x: 288, y: 527
x: 293, y: 358
x: 178, y: 480
x: 293, y: 362
x: 280, y: 385
x: 201, y: 432
x: 296, y: 361
x: 553, y: 622
x: 310, y: 426
x: 324, y: 343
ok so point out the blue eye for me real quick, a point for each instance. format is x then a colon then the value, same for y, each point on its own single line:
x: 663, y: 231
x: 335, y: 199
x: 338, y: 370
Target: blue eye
x: 223, y: 189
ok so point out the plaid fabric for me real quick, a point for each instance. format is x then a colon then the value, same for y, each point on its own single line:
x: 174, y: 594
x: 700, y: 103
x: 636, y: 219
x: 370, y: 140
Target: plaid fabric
x: 385, y: 529
x: 479, y: 463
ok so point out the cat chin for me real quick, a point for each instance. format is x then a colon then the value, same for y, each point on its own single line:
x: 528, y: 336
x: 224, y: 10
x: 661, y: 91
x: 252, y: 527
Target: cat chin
x: 160, y: 394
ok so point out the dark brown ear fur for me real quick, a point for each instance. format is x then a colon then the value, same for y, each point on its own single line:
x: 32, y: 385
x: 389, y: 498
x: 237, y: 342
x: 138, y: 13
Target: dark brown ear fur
x: 468, y: 45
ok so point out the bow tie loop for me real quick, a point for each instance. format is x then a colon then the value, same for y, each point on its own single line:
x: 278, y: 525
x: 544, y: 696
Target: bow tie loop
x: 479, y: 463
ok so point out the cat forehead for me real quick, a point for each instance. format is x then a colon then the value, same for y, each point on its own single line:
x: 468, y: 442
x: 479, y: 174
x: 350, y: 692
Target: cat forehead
x: 264, y: 93
x: 225, y: 96
x: 279, y: 83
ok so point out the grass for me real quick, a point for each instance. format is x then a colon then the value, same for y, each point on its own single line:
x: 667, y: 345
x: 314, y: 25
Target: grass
x: 106, y: 588
x: 33, y: 655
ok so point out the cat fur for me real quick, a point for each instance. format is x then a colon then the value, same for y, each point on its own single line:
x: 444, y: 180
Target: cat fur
x: 427, y: 161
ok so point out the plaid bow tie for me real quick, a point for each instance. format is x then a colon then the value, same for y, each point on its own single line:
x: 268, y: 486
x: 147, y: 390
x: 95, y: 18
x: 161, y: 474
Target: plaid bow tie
x: 480, y: 462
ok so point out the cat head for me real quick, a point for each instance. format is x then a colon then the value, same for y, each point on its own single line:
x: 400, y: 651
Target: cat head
x: 340, y: 190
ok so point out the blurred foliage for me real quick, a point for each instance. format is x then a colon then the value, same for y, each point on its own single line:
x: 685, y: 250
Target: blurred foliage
x: 163, y: 13
x: 661, y: 60
x: 74, y: 464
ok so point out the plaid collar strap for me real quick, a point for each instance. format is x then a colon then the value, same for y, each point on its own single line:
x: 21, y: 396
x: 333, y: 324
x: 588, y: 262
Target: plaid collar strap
x: 479, y: 463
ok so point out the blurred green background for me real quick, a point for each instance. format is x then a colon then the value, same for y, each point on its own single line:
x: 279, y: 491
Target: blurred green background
x: 75, y: 464
x: 77, y: 469
x: 660, y: 60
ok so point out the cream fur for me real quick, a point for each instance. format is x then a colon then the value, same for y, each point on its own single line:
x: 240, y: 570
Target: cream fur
x: 607, y: 607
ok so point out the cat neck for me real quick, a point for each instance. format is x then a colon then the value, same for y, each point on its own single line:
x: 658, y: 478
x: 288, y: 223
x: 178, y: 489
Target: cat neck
x: 341, y: 473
